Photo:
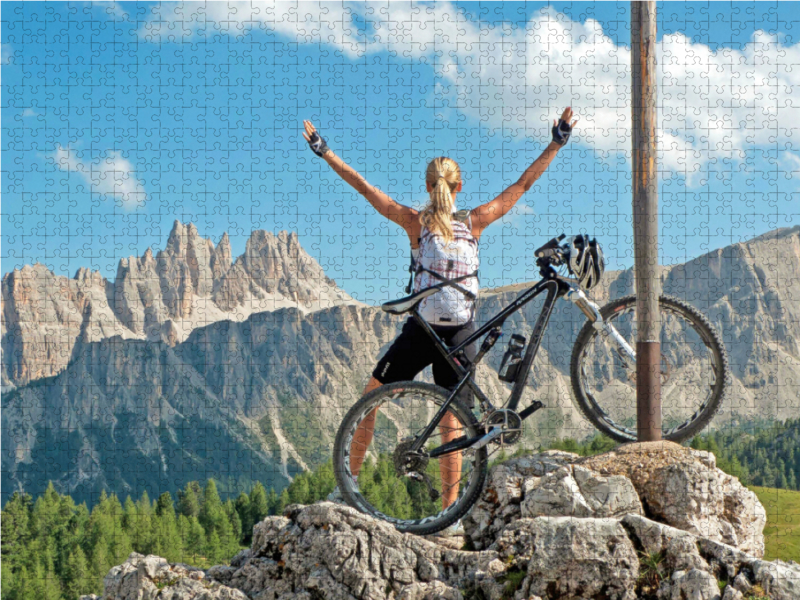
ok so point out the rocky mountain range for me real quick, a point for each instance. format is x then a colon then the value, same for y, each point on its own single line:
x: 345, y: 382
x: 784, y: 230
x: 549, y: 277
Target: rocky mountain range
x: 189, y: 284
x: 190, y: 365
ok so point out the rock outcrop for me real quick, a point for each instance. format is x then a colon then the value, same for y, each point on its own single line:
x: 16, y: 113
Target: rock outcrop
x: 672, y: 484
x: 329, y: 551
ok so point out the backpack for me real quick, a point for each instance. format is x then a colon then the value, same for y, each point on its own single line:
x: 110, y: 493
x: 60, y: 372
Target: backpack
x: 454, y: 264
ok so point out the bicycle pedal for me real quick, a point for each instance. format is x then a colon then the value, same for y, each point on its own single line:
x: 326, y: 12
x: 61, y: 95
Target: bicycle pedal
x: 530, y: 410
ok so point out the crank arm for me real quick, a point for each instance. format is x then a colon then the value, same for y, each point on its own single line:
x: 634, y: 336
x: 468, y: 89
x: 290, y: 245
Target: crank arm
x: 493, y: 434
x: 462, y: 443
x: 524, y: 414
x: 479, y: 441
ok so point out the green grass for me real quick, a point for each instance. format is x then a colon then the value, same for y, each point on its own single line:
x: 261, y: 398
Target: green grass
x: 782, y: 533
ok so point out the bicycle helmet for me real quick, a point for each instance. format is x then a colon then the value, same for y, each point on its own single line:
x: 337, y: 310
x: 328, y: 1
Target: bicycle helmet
x: 586, y: 261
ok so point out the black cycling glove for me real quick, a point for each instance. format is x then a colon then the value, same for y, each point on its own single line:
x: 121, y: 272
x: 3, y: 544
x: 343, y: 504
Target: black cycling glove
x: 561, y: 132
x: 318, y: 145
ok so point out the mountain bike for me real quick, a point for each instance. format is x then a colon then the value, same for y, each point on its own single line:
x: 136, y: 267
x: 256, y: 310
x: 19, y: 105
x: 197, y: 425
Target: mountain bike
x: 417, y: 459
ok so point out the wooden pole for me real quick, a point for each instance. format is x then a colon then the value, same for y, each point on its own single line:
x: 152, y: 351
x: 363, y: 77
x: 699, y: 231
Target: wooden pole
x: 645, y: 220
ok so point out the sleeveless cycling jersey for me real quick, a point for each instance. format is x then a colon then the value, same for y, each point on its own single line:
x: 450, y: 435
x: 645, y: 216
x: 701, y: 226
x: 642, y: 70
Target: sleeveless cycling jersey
x: 453, y: 264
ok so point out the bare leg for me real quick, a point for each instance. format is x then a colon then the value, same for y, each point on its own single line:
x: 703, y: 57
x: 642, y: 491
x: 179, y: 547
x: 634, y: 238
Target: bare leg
x: 363, y: 436
x: 450, y: 465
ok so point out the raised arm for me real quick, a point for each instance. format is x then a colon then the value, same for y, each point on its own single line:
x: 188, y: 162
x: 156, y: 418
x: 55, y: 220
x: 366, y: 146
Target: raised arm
x: 404, y: 216
x: 488, y: 213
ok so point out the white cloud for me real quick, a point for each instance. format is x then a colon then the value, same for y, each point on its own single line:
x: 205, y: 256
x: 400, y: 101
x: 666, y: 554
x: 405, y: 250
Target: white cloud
x: 6, y: 52
x: 111, y: 8
x: 713, y: 105
x: 521, y: 208
x: 791, y: 162
x: 112, y: 176
x: 29, y: 112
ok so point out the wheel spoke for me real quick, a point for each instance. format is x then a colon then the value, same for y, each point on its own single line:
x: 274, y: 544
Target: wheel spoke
x: 411, y: 490
x: 693, y: 369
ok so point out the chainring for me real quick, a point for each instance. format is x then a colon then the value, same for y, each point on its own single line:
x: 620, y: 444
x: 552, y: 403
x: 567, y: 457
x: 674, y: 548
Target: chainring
x: 506, y: 419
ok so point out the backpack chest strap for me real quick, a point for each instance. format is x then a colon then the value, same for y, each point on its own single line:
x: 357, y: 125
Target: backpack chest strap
x: 451, y: 282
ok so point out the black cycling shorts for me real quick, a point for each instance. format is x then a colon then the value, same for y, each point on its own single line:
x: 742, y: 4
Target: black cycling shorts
x: 413, y: 350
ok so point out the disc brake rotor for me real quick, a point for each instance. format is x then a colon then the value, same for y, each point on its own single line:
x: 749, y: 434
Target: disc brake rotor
x: 405, y: 461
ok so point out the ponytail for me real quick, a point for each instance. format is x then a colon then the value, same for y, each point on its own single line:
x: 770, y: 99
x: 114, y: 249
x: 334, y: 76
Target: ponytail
x: 444, y: 176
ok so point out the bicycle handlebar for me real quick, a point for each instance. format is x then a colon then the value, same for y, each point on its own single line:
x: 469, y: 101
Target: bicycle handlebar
x: 551, y: 248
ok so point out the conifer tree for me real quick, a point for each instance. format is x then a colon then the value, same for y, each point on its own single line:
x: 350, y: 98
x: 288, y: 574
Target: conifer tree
x: 15, y: 528
x: 189, y: 500
x: 164, y: 504
x: 214, y: 519
x: 259, y: 507
x: 273, y: 502
x: 7, y: 580
x: 283, y: 501
x: 20, y: 586
x: 211, y: 512
x: 242, y: 505
x: 167, y: 538
x: 100, y: 564
x: 46, y: 585
x: 76, y: 575
x: 145, y: 512
x: 236, y: 526
x: 212, y: 550
x: 120, y: 546
x: 196, y: 538
x: 299, y: 490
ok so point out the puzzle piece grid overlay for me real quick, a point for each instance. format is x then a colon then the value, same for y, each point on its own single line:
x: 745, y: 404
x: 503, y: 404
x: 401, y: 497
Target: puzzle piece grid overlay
x: 176, y: 128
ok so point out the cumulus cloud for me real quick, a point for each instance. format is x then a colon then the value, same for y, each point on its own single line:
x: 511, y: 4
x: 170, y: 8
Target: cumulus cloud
x: 713, y: 105
x: 6, y: 52
x: 791, y: 162
x: 113, y: 9
x: 112, y: 176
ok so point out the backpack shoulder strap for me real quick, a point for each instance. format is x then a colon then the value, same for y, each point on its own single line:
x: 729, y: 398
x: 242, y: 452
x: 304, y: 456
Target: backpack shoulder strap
x: 412, y: 268
x: 462, y: 215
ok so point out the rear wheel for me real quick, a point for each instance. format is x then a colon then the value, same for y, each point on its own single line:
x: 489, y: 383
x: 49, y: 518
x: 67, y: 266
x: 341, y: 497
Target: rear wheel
x: 694, y: 371
x: 404, y: 488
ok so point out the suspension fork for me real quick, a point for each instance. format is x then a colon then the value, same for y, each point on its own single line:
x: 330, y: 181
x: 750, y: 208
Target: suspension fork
x: 592, y: 312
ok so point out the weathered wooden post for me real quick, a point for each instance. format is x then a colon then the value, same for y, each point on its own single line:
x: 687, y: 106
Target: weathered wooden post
x: 645, y: 220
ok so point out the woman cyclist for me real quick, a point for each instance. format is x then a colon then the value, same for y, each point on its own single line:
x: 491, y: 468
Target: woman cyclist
x: 444, y: 249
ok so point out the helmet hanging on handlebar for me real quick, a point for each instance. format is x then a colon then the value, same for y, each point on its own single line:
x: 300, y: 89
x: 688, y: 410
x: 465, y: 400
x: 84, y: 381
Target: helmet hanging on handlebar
x: 586, y: 261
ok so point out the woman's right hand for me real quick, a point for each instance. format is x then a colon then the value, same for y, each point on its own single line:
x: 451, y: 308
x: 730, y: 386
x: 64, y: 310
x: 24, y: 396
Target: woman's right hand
x: 562, y: 128
x: 314, y: 139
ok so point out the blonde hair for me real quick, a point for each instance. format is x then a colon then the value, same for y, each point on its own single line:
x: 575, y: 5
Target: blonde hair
x: 444, y: 175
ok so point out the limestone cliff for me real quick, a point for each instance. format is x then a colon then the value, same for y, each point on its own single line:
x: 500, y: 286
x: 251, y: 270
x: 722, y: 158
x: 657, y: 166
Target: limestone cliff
x: 190, y: 283
x: 266, y: 389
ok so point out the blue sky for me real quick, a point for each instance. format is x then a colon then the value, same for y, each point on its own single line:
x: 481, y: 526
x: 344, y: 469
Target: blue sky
x: 118, y: 118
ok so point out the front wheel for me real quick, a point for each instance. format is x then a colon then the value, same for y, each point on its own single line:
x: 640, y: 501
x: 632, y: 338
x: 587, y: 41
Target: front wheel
x: 694, y: 371
x: 415, y: 493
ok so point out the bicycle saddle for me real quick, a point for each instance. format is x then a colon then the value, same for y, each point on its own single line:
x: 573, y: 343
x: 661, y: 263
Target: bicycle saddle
x: 404, y: 305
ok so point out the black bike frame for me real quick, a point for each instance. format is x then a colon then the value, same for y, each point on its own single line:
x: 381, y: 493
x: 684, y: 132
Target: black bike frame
x: 555, y: 287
